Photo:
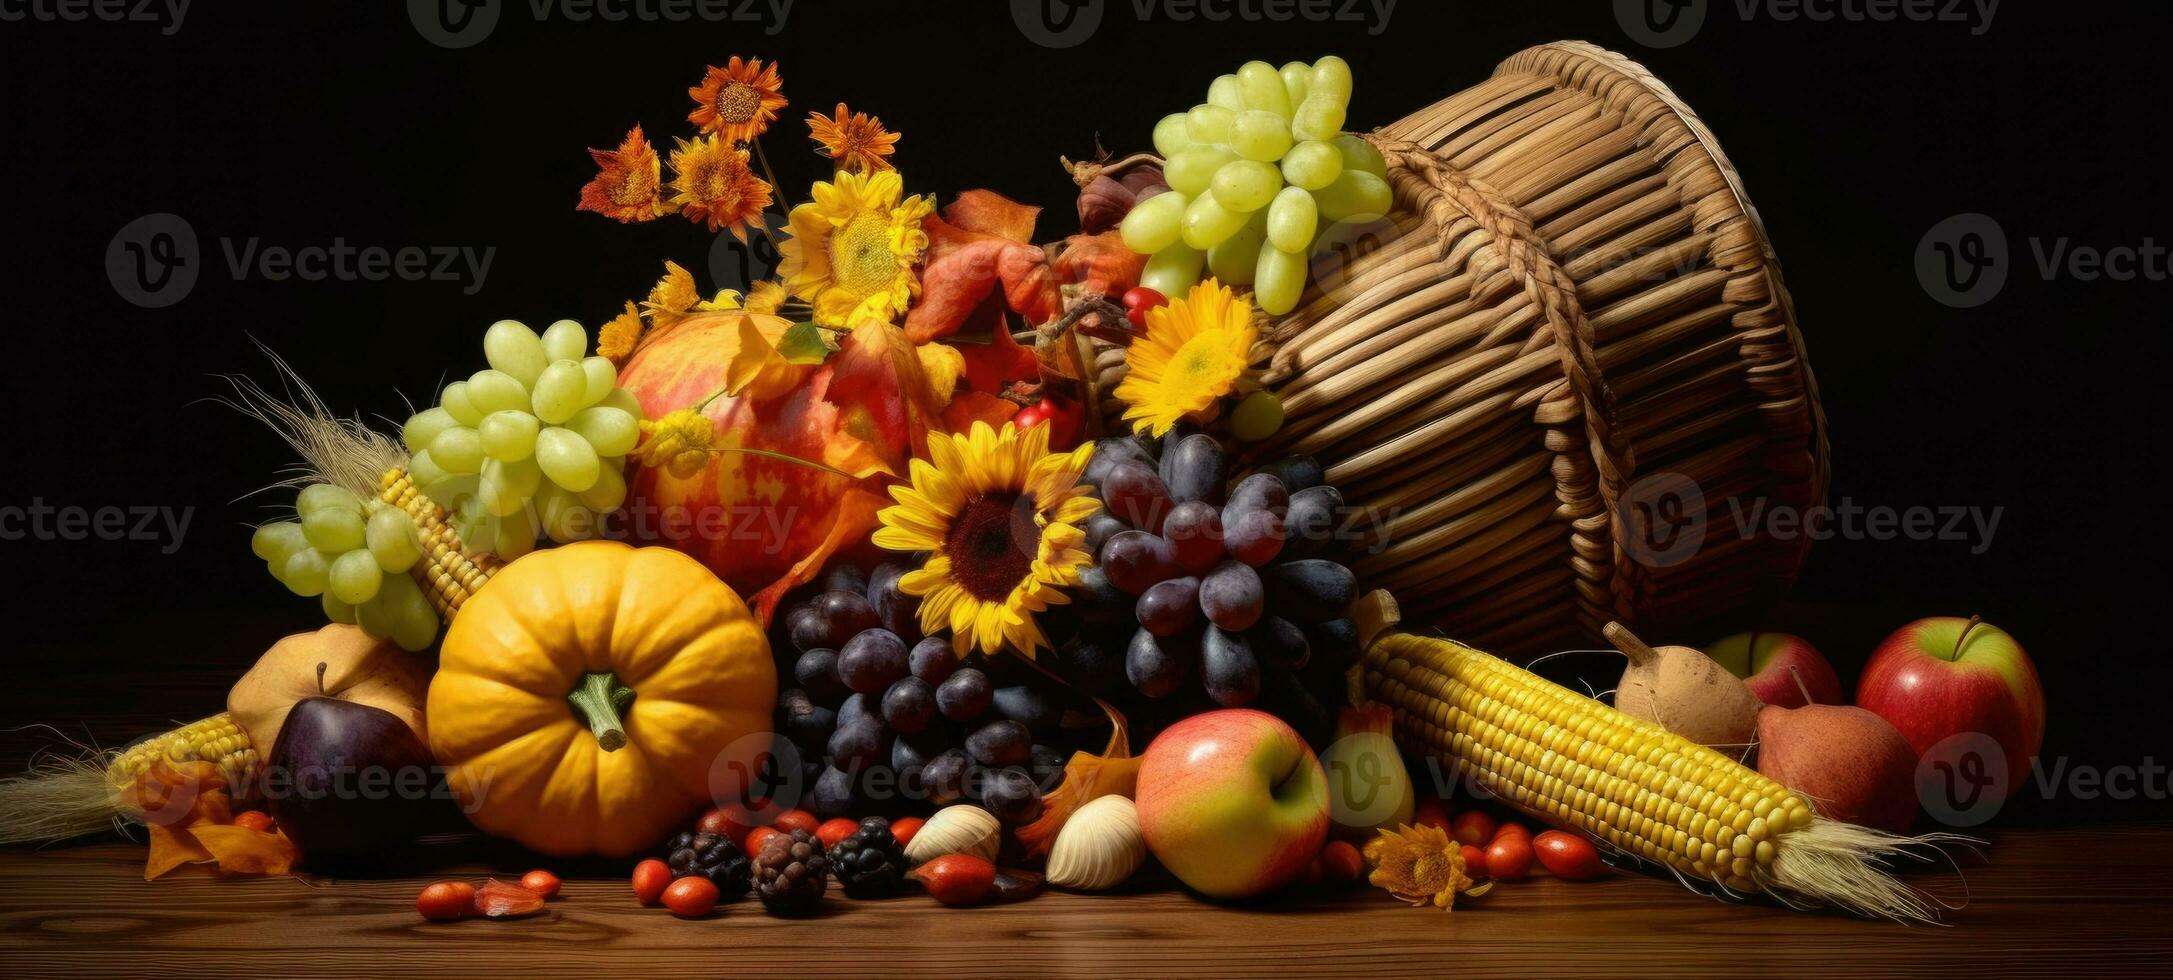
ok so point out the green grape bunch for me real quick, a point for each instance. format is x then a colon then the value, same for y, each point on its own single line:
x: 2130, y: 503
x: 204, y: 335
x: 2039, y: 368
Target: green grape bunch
x: 355, y: 554
x: 1257, y: 174
x: 534, y: 444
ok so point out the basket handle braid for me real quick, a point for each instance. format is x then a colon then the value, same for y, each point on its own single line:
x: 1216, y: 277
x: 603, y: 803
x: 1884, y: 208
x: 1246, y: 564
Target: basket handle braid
x: 1530, y: 263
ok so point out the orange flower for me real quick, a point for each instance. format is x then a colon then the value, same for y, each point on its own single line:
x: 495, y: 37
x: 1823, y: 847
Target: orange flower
x: 857, y: 142
x: 737, y: 101
x: 617, y: 339
x: 713, y: 184
x: 627, y: 186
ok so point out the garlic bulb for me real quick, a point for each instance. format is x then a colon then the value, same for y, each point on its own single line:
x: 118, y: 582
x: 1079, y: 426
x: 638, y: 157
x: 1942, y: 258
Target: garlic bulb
x: 1098, y: 847
x: 956, y: 830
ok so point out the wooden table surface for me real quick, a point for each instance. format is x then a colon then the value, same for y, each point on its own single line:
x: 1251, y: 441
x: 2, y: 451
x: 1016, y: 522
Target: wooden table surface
x: 2056, y: 900
x: 2050, y: 903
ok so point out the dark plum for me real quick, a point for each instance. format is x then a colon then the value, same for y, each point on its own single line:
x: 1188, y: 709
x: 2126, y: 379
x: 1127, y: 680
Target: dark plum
x: 1109, y: 453
x: 859, y: 744
x: 1280, y: 642
x: 1313, y: 590
x: 1099, y: 529
x: 1135, y: 495
x: 933, y: 660
x: 909, y: 705
x: 1171, y: 607
x: 944, y: 778
x: 1229, y: 669
x: 1232, y: 596
x: 1194, y: 531
x: 1313, y: 522
x: 1136, y: 560
x: 1157, y: 665
x: 1252, y: 521
x: 1196, y: 469
x: 1001, y: 743
x: 965, y: 695
x: 1040, y: 713
x: 1011, y: 795
x: 837, y: 617
x: 872, y: 661
x: 1297, y: 472
x: 1099, y: 602
x: 898, y: 612
x: 817, y: 674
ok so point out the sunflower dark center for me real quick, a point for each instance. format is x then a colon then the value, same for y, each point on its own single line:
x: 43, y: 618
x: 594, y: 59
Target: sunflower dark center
x: 991, y: 545
x: 737, y: 102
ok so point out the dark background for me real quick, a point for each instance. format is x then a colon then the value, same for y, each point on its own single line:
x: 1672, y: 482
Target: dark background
x: 302, y: 123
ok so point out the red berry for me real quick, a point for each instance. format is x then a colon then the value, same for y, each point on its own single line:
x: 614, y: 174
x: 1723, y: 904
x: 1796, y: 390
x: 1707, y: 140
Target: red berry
x: 904, y: 828
x: 446, y: 901
x: 651, y: 877
x: 1342, y: 861
x: 1137, y: 301
x: 256, y: 820
x: 541, y: 882
x: 1568, y: 856
x: 691, y: 897
x: 1031, y: 415
x: 836, y: 829
x: 792, y: 820
x: 723, y: 823
x: 1472, y: 827
x: 1431, y: 812
x: 757, y: 836
x: 1509, y: 856
x: 1474, y: 861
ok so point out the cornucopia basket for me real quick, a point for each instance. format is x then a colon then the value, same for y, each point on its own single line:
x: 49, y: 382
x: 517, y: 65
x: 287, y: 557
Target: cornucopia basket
x: 1546, y: 375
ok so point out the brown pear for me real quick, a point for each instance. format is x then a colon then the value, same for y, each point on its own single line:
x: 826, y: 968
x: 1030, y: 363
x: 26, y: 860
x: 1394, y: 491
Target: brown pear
x: 1850, y: 764
x: 1685, y: 692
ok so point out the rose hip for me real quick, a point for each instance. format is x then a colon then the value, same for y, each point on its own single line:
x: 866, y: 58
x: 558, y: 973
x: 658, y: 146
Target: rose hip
x: 957, y: 879
x: 651, y: 878
x: 691, y: 897
x: 446, y: 901
x: 541, y: 882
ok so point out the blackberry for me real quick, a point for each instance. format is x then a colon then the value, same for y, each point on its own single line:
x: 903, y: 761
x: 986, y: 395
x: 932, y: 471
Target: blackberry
x: 791, y: 873
x: 869, y: 862
x: 712, y: 856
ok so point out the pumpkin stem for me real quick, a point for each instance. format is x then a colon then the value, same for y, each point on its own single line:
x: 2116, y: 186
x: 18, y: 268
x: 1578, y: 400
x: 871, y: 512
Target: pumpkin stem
x: 599, y: 701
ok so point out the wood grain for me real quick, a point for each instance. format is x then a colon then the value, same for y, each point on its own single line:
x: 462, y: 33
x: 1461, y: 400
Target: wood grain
x: 2079, y: 902
x: 2056, y: 901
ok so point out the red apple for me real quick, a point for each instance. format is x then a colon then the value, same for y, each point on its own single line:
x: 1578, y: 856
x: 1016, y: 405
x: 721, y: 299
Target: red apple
x: 1232, y: 802
x: 1763, y: 659
x: 1945, y: 676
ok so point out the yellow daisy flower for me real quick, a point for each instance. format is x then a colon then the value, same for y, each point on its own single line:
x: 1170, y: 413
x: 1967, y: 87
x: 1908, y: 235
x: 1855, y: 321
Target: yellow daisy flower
x: 767, y: 296
x: 852, y: 250
x: 1193, y: 355
x: 1000, y: 516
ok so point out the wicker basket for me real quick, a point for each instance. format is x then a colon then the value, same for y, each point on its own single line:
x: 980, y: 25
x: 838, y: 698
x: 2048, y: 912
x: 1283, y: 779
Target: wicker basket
x: 1563, y: 372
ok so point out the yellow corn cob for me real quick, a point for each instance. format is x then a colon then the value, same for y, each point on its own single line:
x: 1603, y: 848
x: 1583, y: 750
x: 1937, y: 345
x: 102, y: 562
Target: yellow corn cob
x: 449, y: 573
x: 217, y: 739
x: 1572, y: 761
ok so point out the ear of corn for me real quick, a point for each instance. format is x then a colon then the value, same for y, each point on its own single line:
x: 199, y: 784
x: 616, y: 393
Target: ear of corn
x: 1572, y: 761
x: 217, y: 739
x: 449, y: 573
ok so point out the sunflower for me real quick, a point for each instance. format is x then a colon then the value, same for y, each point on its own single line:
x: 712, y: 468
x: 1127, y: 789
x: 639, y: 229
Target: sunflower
x: 737, y: 101
x: 852, y: 250
x: 626, y: 186
x: 999, y: 515
x: 767, y: 296
x: 1193, y: 354
x: 713, y: 184
x: 856, y: 142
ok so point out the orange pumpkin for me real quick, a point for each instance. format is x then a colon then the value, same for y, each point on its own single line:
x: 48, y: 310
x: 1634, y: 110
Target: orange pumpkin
x: 585, y: 696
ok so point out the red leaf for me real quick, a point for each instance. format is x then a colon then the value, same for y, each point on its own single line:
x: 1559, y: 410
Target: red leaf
x: 1099, y: 264
x: 963, y: 274
x: 986, y: 212
x: 991, y: 367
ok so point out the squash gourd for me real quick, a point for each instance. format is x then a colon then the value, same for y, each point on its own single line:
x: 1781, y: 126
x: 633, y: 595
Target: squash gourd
x: 584, y: 698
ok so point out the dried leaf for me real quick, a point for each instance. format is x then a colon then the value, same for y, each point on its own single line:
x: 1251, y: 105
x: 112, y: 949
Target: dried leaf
x: 759, y: 369
x: 1099, y: 264
x: 189, y: 811
x: 806, y: 343
x: 985, y: 212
